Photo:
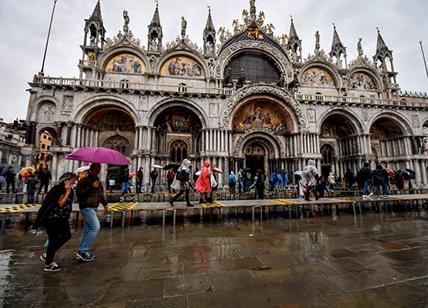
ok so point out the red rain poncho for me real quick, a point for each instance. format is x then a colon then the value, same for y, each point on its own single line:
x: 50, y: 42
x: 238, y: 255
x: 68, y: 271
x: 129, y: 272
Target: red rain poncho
x: 203, y: 183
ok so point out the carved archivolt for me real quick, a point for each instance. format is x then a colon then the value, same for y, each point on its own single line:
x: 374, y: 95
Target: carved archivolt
x: 261, y: 134
x: 281, y: 59
x: 267, y: 90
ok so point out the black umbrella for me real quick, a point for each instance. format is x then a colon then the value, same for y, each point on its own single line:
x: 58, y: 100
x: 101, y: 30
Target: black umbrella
x: 411, y: 173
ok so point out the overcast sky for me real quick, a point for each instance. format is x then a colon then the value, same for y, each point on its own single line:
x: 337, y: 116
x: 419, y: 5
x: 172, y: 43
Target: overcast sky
x: 24, y: 25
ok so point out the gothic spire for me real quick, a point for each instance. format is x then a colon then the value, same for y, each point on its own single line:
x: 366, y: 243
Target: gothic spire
x: 210, y: 25
x: 96, y: 14
x: 155, y: 20
x: 337, y: 46
x: 293, y: 32
x: 381, y: 46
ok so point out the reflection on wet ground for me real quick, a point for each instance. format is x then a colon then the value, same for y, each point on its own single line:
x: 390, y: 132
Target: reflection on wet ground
x: 381, y: 261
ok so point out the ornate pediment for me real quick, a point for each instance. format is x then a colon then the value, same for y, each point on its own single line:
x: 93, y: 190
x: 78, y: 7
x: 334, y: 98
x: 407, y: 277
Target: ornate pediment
x: 320, y: 56
x: 183, y: 44
x: 121, y: 40
x: 362, y: 61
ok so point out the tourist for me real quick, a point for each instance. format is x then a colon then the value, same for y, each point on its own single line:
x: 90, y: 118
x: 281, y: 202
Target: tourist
x: 322, y: 187
x: 53, y: 216
x: 203, y: 183
x: 31, y: 182
x: 170, y: 178
x: 124, y: 180
x: 44, y: 176
x: 90, y: 194
x: 247, y: 180
x: 139, y: 180
x: 273, y: 179
x: 232, y: 182
x: 259, y: 184
x: 10, y: 180
x: 349, y: 178
x: 365, y: 175
x: 240, y: 181
x: 153, y: 177
x: 111, y: 182
x: 309, y: 180
x: 380, y: 181
x: 331, y: 180
x: 181, y: 182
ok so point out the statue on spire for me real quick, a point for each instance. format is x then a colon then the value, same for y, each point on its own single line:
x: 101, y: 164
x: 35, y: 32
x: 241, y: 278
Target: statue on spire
x: 253, y: 11
x: 183, y: 27
x: 125, y: 22
x: 317, y: 42
x: 360, y: 48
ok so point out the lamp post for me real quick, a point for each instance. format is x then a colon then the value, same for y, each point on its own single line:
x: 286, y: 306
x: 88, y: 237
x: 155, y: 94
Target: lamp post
x: 41, y: 73
x: 423, y: 56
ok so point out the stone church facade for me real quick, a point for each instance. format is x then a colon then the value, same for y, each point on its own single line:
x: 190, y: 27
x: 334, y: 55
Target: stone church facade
x: 246, y: 99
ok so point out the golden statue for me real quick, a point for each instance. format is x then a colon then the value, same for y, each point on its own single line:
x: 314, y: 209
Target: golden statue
x: 284, y: 40
x: 261, y: 18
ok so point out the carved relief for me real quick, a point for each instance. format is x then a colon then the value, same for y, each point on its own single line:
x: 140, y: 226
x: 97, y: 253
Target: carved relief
x: 311, y: 115
x: 317, y: 77
x: 214, y: 109
x: 415, y: 121
x: 67, y: 105
x: 254, y: 133
x: 360, y: 81
x: 125, y: 63
x: 47, y: 112
x: 181, y: 66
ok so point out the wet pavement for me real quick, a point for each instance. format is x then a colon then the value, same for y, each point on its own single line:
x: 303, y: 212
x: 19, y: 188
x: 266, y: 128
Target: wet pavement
x: 378, y: 261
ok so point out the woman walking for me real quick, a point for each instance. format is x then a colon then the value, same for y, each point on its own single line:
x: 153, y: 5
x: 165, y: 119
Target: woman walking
x: 203, y: 184
x: 182, y: 183
x: 53, y: 216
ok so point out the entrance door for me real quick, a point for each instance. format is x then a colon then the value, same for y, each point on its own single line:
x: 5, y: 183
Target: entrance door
x: 254, y: 163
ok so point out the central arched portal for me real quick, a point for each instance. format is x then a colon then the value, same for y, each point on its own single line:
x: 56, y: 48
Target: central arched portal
x: 258, y: 153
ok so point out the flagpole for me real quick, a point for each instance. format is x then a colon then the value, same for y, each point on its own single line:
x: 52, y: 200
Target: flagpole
x: 47, y: 40
x: 425, y: 61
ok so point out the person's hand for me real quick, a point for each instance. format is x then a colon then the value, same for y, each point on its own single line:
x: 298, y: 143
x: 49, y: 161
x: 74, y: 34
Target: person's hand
x: 96, y: 184
x: 67, y: 185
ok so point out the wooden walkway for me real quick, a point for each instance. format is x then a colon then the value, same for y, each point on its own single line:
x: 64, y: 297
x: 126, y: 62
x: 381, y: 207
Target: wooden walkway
x: 260, y: 207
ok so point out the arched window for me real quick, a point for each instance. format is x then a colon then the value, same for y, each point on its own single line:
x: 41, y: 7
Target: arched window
x: 252, y: 66
x: 178, y: 151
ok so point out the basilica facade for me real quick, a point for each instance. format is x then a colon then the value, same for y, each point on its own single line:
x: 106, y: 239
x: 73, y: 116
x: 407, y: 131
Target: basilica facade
x: 246, y: 99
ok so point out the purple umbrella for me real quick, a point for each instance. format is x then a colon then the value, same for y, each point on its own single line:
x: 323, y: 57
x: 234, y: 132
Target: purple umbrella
x: 99, y: 155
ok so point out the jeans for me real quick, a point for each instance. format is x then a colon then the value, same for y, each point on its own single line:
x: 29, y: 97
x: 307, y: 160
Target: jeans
x: 30, y: 195
x: 153, y: 185
x: 366, y: 187
x: 90, y: 228
x: 58, y: 230
x: 8, y: 184
x: 124, y: 187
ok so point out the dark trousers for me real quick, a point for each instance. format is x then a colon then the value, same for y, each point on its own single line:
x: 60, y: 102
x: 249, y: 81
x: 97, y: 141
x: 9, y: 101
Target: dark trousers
x: 58, y: 230
x: 181, y: 192
x: 45, y: 186
x: 8, y: 184
x: 138, y: 187
x: 30, y: 195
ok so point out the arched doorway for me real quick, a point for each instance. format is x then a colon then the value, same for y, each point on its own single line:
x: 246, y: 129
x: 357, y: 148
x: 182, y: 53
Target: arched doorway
x: 388, y: 142
x: 339, y: 144
x: 257, y: 155
x: 328, y: 159
x: 110, y: 127
x: 178, y: 135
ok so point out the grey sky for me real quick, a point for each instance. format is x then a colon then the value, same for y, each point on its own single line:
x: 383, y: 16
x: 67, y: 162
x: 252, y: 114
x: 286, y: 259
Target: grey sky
x: 24, y: 24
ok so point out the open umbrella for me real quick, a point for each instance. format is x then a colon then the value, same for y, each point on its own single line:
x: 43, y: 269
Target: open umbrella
x: 81, y: 169
x: 412, y: 173
x: 298, y: 173
x: 132, y: 174
x: 157, y: 166
x: 99, y: 155
x: 173, y: 166
x: 217, y: 169
x: 390, y: 171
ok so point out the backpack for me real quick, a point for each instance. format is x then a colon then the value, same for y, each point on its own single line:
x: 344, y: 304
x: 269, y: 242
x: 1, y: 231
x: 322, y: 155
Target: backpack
x: 182, y: 176
x: 232, y: 178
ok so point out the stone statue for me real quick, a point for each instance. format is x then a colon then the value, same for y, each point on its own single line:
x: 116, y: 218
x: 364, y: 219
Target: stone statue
x: 284, y: 40
x: 222, y: 34
x: 317, y: 42
x: 228, y: 76
x: 270, y: 27
x: 183, y: 27
x: 125, y: 22
x: 360, y: 48
x: 261, y: 18
x: 235, y: 25
x: 253, y: 11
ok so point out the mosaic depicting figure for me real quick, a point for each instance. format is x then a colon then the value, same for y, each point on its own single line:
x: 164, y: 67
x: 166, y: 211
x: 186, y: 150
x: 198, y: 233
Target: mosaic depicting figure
x: 257, y: 115
x: 125, y: 63
x: 361, y: 81
x: 182, y: 66
x: 316, y: 77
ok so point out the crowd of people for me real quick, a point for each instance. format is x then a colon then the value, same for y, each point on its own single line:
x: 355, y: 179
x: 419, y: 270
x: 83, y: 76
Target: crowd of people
x: 373, y: 183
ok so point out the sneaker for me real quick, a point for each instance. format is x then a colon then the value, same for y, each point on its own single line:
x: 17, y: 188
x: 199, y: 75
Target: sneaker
x: 84, y: 256
x: 370, y: 195
x: 53, y: 267
x: 43, y: 257
x: 385, y: 196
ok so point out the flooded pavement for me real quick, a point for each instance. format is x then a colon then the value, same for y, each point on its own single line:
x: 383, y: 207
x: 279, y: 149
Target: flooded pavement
x: 378, y: 261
